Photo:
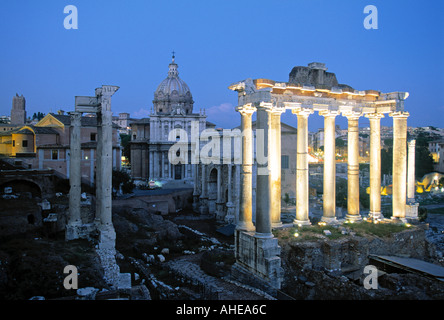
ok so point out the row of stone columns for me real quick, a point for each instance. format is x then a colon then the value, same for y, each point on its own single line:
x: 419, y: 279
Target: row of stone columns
x: 268, y: 177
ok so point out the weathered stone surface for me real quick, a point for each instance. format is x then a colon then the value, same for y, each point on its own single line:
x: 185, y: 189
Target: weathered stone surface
x: 333, y: 269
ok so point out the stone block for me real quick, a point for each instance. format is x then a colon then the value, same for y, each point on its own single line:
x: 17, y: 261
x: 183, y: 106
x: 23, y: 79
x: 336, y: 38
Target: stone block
x: 88, y: 293
x: 260, y: 256
x: 411, y: 211
x: 124, y: 283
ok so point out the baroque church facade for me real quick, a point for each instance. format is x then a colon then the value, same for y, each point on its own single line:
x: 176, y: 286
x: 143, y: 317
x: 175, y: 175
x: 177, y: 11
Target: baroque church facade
x: 153, y: 137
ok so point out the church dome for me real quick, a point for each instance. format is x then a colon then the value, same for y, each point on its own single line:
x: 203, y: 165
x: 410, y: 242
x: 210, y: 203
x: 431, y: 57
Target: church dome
x: 173, y: 93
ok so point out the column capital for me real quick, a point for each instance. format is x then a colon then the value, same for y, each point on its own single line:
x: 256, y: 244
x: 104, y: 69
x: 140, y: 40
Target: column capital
x: 304, y: 112
x: 411, y: 143
x: 375, y: 115
x: 246, y: 109
x: 75, y: 117
x: 277, y: 110
x: 399, y: 114
x: 329, y: 113
x: 352, y: 115
x: 267, y: 106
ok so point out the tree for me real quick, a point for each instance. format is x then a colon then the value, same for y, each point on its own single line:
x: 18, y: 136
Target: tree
x: 423, y: 158
x: 287, y: 199
x: 122, y: 179
x: 38, y: 116
x: 386, y: 161
x: 125, y: 143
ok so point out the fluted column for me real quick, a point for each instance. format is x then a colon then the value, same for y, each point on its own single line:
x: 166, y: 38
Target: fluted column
x: 74, y: 219
x: 375, y: 164
x: 302, y: 174
x: 245, y: 221
x: 275, y: 165
x: 411, y: 172
x: 353, y: 167
x: 263, y: 185
x: 329, y: 214
x: 399, y: 189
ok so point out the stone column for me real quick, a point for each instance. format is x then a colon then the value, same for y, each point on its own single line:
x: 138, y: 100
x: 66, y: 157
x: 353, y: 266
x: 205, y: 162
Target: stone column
x: 196, y: 187
x: 151, y: 164
x: 246, y: 182
x: 162, y: 166
x: 230, y: 218
x: 74, y: 220
x: 204, y: 194
x: 411, y: 172
x: 375, y: 164
x: 264, y: 197
x: 105, y: 156
x: 329, y: 214
x: 353, y: 167
x: 399, y: 189
x: 219, y: 202
x: 275, y: 166
x: 302, y: 174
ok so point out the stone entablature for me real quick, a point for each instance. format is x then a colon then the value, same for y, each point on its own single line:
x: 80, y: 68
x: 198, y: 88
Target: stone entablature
x: 291, y: 96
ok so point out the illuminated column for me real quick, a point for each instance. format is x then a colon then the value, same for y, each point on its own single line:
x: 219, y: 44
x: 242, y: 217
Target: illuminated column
x: 353, y: 167
x: 275, y: 166
x: 399, y: 189
x: 246, y: 183
x: 329, y: 214
x: 74, y: 220
x: 411, y: 172
x: 263, y: 179
x: 375, y: 164
x: 302, y: 174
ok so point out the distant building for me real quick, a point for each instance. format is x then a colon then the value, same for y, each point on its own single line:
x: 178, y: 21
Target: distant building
x: 123, y: 121
x: 18, y: 112
x: 435, y: 149
x: 46, y: 145
x: 152, y: 138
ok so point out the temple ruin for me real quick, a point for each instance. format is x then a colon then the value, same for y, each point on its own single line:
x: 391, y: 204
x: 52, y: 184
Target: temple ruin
x: 312, y: 89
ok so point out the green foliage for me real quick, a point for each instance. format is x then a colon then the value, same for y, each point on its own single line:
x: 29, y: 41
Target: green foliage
x: 341, y: 193
x: 386, y: 161
x: 379, y: 230
x: 286, y: 199
x: 122, y: 179
x: 38, y: 116
x: 364, y: 198
x: 125, y: 143
x: 339, y: 143
x: 423, y: 158
x: 422, y: 213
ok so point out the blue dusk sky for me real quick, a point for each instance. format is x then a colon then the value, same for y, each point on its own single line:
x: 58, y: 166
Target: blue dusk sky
x: 217, y: 43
